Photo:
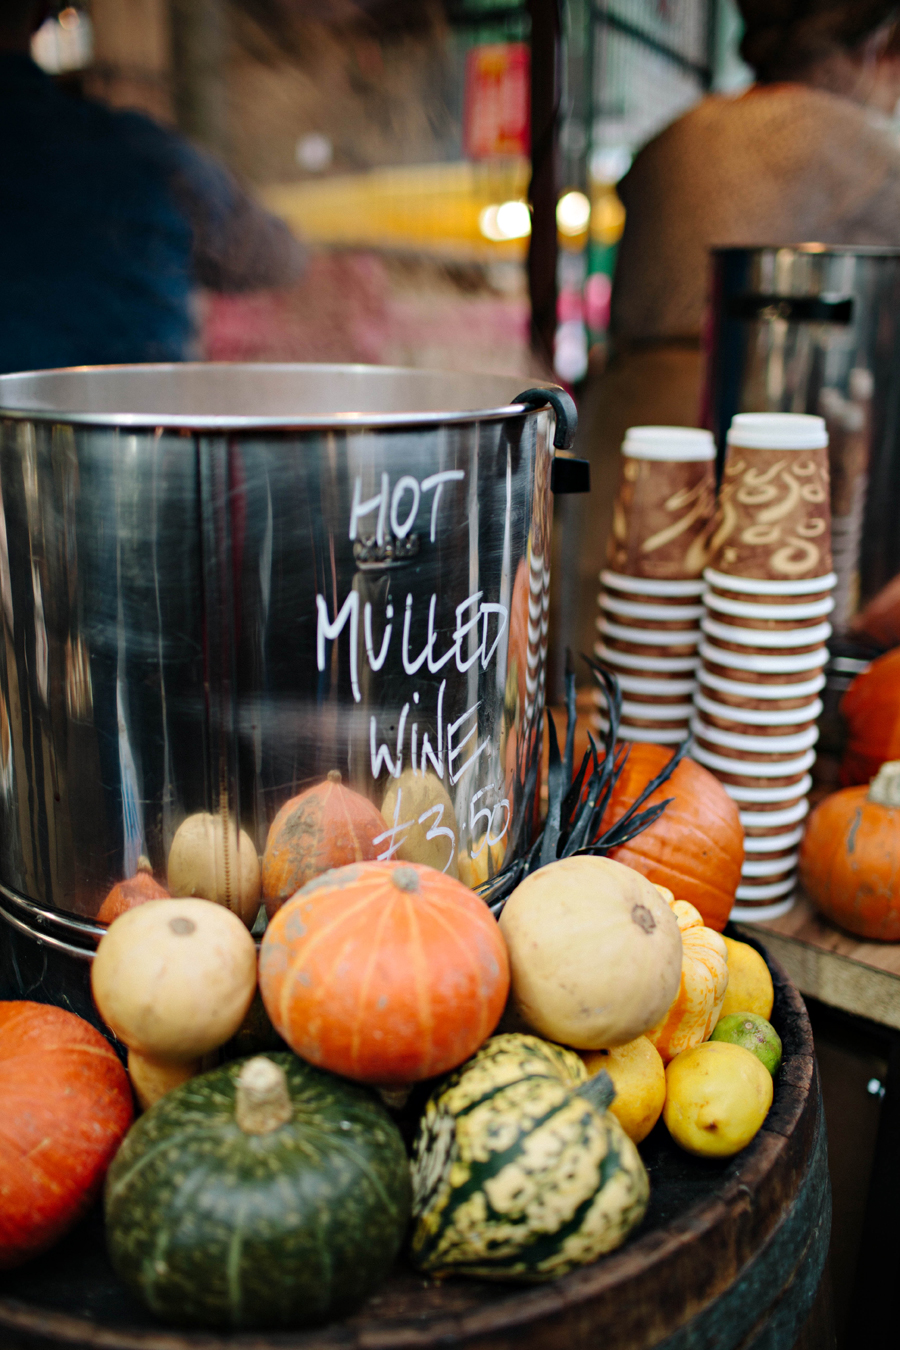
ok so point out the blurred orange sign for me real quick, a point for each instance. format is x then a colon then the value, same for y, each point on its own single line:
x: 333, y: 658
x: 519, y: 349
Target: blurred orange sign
x: 497, y: 105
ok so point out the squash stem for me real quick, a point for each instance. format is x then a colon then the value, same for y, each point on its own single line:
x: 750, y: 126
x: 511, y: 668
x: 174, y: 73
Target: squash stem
x: 884, y: 789
x: 262, y: 1101
x: 599, y: 1091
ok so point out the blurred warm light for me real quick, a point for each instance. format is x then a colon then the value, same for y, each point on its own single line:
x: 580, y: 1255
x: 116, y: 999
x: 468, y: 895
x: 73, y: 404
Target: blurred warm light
x: 509, y: 220
x: 69, y: 18
x: 573, y: 211
x: 608, y: 217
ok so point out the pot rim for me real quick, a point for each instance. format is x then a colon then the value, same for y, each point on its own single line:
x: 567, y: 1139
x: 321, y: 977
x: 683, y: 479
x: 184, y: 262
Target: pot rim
x: 349, y: 420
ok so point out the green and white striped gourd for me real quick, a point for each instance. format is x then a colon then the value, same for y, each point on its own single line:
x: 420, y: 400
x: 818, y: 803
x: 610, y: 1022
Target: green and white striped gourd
x: 267, y: 1193
x: 519, y: 1170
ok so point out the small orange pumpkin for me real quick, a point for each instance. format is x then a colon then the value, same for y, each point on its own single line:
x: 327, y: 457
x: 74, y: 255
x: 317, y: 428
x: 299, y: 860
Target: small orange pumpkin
x: 850, y: 857
x: 136, y: 890
x: 384, y: 972
x: 871, y: 708
x: 66, y: 1109
x: 696, y: 847
x: 326, y: 826
x: 694, y: 1011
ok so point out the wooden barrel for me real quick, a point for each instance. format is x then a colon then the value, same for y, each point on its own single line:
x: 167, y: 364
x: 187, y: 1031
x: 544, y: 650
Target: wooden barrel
x: 729, y: 1257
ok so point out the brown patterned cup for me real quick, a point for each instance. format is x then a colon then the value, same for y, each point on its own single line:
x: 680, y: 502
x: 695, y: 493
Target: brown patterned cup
x: 659, y: 733
x: 645, y: 664
x: 746, y: 667
x: 735, y: 694
x: 773, y: 518
x: 664, y: 504
x: 651, y: 643
x: 763, y: 721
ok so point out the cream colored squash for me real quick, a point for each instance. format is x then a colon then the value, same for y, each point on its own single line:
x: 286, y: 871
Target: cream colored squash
x: 595, y: 952
x: 424, y: 801
x: 207, y: 862
x: 173, y: 979
x: 153, y: 1078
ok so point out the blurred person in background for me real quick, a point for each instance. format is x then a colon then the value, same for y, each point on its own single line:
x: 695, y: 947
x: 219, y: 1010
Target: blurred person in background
x: 806, y: 154
x: 109, y: 222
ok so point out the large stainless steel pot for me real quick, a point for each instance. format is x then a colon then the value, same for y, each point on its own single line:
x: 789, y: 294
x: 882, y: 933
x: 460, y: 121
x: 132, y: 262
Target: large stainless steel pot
x: 217, y: 583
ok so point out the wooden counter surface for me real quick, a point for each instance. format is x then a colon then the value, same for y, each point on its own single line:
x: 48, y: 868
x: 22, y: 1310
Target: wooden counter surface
x: 833, y: 966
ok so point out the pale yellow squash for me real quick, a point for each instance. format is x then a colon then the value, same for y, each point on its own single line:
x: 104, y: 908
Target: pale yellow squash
x: 595, y: 952
x: 210, y: 862
x: 173, y: 979
x: 421, y: 803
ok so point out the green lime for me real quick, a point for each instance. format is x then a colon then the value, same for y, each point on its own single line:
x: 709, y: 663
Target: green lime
x: 754, y: 1033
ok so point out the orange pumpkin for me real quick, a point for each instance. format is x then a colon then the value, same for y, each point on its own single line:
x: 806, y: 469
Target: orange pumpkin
x: 66, y: 1108
x: 696, y: 848
x: 326, y: 826
x: 385, y: 972
x: 850, y: 857
x: 695, y: 1009
x: 871, y: 708
x: 136, y: 890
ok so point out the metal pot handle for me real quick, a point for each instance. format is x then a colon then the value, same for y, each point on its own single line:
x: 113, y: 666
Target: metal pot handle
x: 566, y: 474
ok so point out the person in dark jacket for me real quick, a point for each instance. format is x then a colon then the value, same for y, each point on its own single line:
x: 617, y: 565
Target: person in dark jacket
x: 109, y: 222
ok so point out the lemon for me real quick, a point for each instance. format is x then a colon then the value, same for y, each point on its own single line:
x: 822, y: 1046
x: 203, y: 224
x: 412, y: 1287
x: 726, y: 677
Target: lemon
x: 717, y: 1096
x: 750, y: 988
x: 639, y: 1078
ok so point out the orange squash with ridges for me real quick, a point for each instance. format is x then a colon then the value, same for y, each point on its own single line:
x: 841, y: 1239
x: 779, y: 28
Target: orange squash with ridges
x: 384, y: 972
x: 850, y: 857
x: 137, y: 890
x: 66, y: 1109
x: 326, y: 826
x: 696, y: 847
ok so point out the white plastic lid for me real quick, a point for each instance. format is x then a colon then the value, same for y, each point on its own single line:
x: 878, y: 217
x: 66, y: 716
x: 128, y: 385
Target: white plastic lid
x: 778, y: 431
x: 672, y: 443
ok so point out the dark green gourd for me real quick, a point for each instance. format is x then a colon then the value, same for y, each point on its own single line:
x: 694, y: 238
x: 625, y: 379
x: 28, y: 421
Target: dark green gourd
x: 265, y: 1193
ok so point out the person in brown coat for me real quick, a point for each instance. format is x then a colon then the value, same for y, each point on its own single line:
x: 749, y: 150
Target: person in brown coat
x: 806, y: 154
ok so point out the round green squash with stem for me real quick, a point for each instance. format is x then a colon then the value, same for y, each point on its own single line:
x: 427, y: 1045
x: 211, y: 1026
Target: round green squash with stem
x: 267, y: 1193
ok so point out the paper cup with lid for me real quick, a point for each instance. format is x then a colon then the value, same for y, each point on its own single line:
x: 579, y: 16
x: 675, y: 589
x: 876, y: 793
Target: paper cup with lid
x: 773, y: 520
x: 664, y: 504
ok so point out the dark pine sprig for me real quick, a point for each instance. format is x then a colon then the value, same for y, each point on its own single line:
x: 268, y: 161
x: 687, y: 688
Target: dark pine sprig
x: 576, y: 806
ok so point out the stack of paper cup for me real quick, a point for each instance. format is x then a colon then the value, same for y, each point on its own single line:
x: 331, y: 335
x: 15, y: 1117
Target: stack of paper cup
x: 763, y: 654
x: 650, y: 602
